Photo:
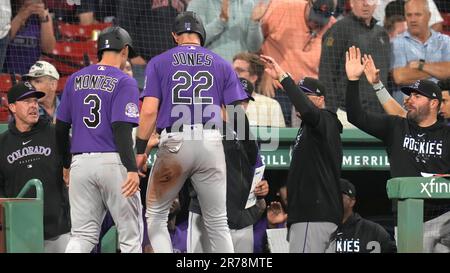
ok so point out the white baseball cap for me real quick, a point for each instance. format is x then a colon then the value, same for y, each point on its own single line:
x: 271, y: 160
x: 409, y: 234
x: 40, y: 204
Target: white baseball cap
x: 42, y: 68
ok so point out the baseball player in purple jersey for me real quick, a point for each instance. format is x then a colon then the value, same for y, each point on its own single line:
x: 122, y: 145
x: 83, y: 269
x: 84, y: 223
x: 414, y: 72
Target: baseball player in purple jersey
x: 184, y: 91
x: 100, y: 103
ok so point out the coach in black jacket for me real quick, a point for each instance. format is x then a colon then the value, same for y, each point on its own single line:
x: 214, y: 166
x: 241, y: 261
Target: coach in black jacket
x: 27, y: 151
x: 314, y: 196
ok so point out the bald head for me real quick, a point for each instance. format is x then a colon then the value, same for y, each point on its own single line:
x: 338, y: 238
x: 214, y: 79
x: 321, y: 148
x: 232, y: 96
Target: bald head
x: 418, y: 15
x: 420, y: 3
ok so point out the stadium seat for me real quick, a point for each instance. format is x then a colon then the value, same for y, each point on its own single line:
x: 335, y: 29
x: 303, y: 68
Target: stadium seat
x: 64, y: 64
x: 69, y: 57
x: 79, y: 32
x: 446, y: 27
x: 78, y: 49
x: 6, y: 82
x: 3, y: 107
x: 446, y: 17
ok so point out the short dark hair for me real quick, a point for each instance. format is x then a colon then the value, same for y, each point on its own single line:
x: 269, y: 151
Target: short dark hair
x: 396, y: 7
x: 444, y: 84
x: 256, y: 66
x: 389, y: 22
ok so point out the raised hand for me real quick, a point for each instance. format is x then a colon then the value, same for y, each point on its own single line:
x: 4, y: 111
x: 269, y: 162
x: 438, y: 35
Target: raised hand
x: 353, y: 65
x: 272, y: 68
x: 371, y: 71
x: 275, y: 214
x: 259, y: 10
x: 224, y: 12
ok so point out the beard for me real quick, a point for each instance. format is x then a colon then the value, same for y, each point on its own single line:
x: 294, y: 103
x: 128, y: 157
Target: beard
x: 418, y: 114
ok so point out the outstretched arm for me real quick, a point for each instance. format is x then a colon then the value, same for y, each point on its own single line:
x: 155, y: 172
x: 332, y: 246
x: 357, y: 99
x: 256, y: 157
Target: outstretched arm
x: 308, y: 111
x: 213, y: 28
x: 254, y: 32
x: 374, y: 124
x: 390, y: 105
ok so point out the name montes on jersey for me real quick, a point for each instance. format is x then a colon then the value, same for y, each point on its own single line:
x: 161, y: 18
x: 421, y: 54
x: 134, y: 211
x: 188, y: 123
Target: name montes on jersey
x: 95, y: 82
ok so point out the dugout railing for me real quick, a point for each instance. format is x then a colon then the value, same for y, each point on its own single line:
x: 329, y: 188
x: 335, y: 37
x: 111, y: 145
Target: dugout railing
x: 409, y: 193
x: 22, y: 221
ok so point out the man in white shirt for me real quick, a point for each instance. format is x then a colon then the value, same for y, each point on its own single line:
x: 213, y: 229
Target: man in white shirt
x: 5, y: 26
x: 263, y: 111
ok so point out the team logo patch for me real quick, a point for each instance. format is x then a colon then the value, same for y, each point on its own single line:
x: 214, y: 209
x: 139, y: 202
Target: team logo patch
x: 131, y: 110
x: 28, y: 84
x: 416, y: 84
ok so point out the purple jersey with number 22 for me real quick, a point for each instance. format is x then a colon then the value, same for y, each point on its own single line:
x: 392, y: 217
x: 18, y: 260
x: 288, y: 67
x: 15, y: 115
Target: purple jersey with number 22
x: 192, y: 83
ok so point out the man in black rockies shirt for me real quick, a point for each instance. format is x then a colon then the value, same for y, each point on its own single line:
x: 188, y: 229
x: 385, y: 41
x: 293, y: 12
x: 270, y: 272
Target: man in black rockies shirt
x: 418, y: 143
x: 415, y: 144
x: 314, y: 196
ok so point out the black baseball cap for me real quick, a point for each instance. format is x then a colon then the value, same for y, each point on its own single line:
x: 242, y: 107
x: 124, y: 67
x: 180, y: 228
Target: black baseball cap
x: 321, y: 11
x: 426, y: 88
x: 23, y: 91
x: 312, y: 86
x: 248, y: 88
x: 347, y: 188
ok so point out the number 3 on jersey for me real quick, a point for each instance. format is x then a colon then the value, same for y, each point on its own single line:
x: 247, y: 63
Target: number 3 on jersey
x: 186, y: 81
x: 93, y: 100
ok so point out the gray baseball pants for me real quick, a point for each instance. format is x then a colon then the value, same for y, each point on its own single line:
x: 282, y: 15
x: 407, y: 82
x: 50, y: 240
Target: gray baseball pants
x: 312, y: 237
x: 180, y: 156
x: 96, y: 186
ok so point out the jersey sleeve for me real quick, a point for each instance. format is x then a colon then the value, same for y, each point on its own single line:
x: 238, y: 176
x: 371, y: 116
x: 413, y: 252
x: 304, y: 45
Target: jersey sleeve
x: 125, y: 102
x: 152, y: 86
x: 233, y: 90
x: 65, y: 109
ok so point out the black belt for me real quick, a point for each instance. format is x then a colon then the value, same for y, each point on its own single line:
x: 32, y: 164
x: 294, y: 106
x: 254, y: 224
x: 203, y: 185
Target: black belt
x: 90, y: 153
x: 180, y: 128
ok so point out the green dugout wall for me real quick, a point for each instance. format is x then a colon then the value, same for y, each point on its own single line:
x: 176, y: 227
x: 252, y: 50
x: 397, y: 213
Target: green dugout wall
x: 361, y: 151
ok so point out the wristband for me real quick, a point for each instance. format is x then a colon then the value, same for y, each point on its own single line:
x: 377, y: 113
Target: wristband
x: 141, y: 145
x: 383, y: 96
x: 283, y: 76
x: 378, y: 86
x: 421, y: 64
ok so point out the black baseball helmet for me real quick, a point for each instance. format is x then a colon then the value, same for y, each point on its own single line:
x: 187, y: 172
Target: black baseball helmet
x: 189, y: 22
x: 114, y: 38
